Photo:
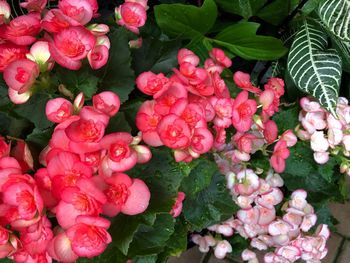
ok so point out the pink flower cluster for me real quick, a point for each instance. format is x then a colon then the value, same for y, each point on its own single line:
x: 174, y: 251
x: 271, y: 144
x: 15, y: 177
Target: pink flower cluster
x: 192, y: 109
x: 326, y: 133
x: 257, y: 221
x: 132, y: 14
x: 82, y: 179
x: 32, y: 43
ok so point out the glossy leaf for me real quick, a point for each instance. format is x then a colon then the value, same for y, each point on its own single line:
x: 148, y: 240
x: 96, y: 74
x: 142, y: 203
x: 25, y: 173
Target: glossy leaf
x: 244, y: 8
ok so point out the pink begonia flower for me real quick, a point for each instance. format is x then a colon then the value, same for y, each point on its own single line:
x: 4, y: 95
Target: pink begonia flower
x: 152, y: 84
x: 124, y: 194
x: 174, y: 132
x: 274, y: 180
x: 195, y: 79
x: 280, y: 154
x: 23, y: 155
x: 249, y: 216
x: 79, y: 10
x: 60, y: 248
x: 271, y: 198
x: 247, y: 182
x: 220, y: 88
x: 5, y: 12
x: 321, y: 157
x: 223, y: 111
x: 34, y: 5
x: 44, y: 183
x: 177, y: 208
x: 219, y: 57
x: 243, y: 110
x: 270, y: 131
x: 276, y: 85
x: 55, y: 21
x: 10, y: 52
x: 250, y: 256
x: 204, y: 243
x: 289, y: 137
x: 39, y: 53
x: 22, y: 30
x: 120, y: 155
x: 318, y: 142
x: 91, y: 113
x: 8, y: 166
x: 242, y: 80
x: 334, y: 136
x: 21, y: 74
x: 244, y: 141
x: 58, y: 110
x: 222, y: 248
x: 141, y: 2
x: 107, y: 102
x: 186, y: 55
x: 83, y: 199
x: 95, y: 242
x: 98, y: 56
x: 132, y: 15
x: 202, y: 141
x: 147, y: 121
x: 71, y: 45
x: 298, y: 199
x: 313, y: 121
x: 163, y: 103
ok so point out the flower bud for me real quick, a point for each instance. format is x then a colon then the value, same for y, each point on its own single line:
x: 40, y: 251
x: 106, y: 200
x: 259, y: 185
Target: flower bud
x: 222, y: 248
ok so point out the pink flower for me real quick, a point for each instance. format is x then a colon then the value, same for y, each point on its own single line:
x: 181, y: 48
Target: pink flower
x: 147, y: 121
x: 58, y: 110
x: 186, y: 55
x: 163, y: 103
x: 318, y: 142
x: 83, y: 199
x: 5, y: 11
x: 245, y: 141
x: 174, y: 132
x: 91, y: 244
x: 289, y: 137
x: 79, y: 10
x: 177, y: 208
x: 242, y: 80
x: 22, y: 30
x: 23, y: 155
x: 276, y: 85
x: 124, y: 194
x: 60, y: 248
x: 321, y: 157
x: 107, y: 102
x: 34, y: 5
x: 71, y: 45
x: 222, y: 248
x: 152, y: 84
x: 21, y: 74
x: 223, y: 111
x: 202, y: 140
x: 219, y: 57
x: 98, y: 56
x: 243, y: 110
x: 132, y: 15
x: 280, y: 154
x: 248, y: 182
x: 99, y: 29
x: 55, y: 21
x: 10, y: 52
x: 270, y: 131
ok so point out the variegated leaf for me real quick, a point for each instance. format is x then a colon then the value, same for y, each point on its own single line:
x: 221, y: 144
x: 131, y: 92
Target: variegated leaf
x: 315, y: 69
x: 335, y: 14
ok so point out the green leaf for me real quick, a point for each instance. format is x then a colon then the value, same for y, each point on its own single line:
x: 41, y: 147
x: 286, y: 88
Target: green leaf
x: 310, y: 6
x: 335, y: 14
x: 150, y: 240
x: 343, y: 49
x: 199, y: 178
x: 199, y: 45
x: 82, y: 80
x: 117, y: 75
x: 186, y: 21
x: 324, y: 215
x: 315, y: 69
x: 287, y: 119
x: 163, y: 176
x: 277, y: 11
x: 39, y: 137
x: 327, y: 170
x: 118, y: 123
x: 218, y: 205
x: 156, y: 56
x: 244, y: 8
x: 241, y: 39
x: 146, y: 259
x: 34, y: 110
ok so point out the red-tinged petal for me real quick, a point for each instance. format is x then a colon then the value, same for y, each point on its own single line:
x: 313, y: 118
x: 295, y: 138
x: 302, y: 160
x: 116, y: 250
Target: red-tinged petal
x: 89, y: 113
x: 116, y: 137
x: 152, y: 138
x: 94, y: 221
x: 66, y: 214
x: 138, y: 199
x: 58, y: 110
x: 60, y: 248
x: 87, y: 186
x: 267, y: 215
x: 63, y: 60
x: 124, y: 164
x: 107, y: 102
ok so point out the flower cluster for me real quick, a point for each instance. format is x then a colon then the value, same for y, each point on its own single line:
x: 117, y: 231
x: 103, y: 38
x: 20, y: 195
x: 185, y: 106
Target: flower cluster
x: 192, y: 109
x: 132, y: 14
x: 82, y: 179
x: 256, y: 220
x: 327, y: 134
x: 32, y: 43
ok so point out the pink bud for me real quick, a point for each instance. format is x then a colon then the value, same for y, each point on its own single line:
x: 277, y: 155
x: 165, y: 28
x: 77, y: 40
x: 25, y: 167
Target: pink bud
x: 19, y: 98
x: 289, y: 137
x: 98, y: 29
x: 131, y: 15
x: 58, y: 110
x: 5, y: 11
x: 79, y: 102
x: 107, y: 102
x: 39, y: 53
x: 318, y: 142
x: 222, y: 248
x: 144, y: 154
x: 323, y: 231
x: 321, y: 157
x: 98, y: 56
x: 186, y: 55
x: 103, y: 41
x: 248, y: 255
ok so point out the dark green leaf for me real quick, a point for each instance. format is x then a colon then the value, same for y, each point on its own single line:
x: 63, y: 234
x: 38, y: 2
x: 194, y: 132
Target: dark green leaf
x: 118, y: 123
x: 186, y: 21
x: 244, y: 8
x: 82, y: 80
x: 327, y: 170
x: 34, y: 110
x: 287, y: 119
x: 163, y: 176
x: 39, y: 137
x: 218, y: 205
x: 241, y: 39
x: 156, y: 56
x: 324, y: 216
x: 117, y: 75
x: 146, y: 259
x: 277, y: 11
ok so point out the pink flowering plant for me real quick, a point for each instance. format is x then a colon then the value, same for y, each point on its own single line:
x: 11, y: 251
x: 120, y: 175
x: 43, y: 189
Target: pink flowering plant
x: 133, y: 130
